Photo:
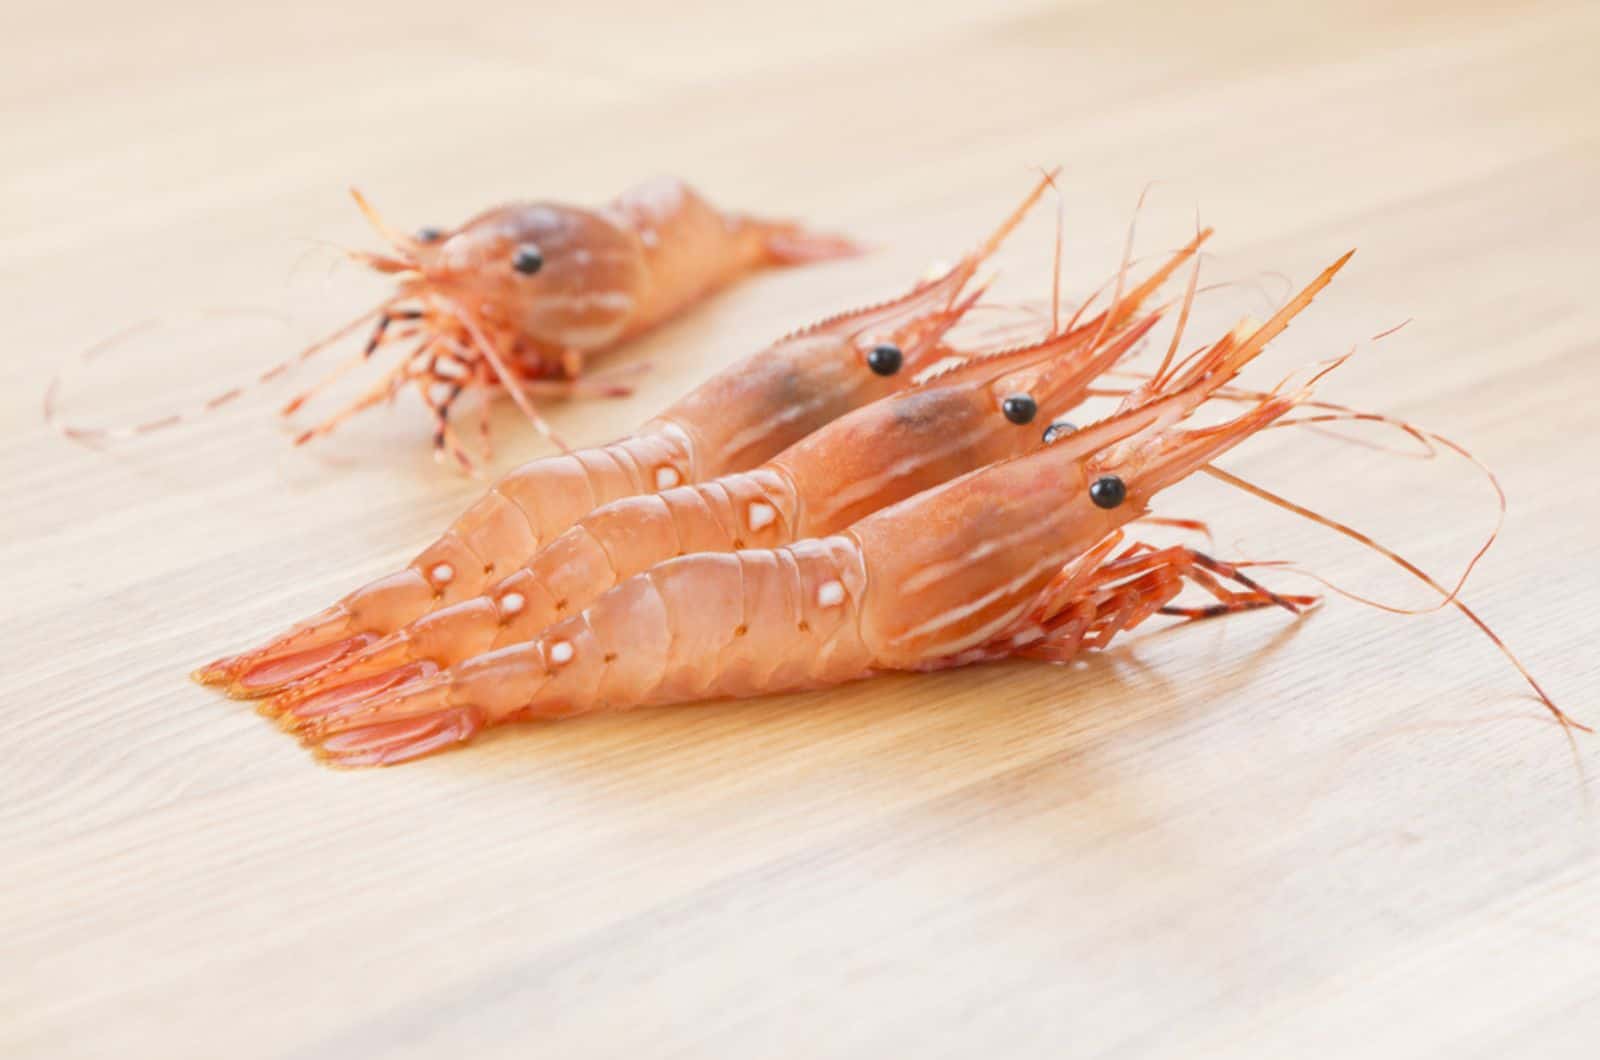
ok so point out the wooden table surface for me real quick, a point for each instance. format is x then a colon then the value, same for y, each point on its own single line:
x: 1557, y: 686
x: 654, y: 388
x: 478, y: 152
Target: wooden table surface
x: 1353, y: 834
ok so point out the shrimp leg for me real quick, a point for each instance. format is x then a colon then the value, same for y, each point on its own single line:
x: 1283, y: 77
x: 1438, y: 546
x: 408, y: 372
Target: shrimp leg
x: 1124, y: 593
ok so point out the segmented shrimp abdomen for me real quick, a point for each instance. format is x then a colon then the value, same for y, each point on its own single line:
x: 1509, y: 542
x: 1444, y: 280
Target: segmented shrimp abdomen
x: 555, y: 492
x: 538, y: 501
x: 612, y: 543
x: 690, y: 247
x: 708, y: 625
x: 743, y: 623
x: 618, y: 540
x: 497, y: 535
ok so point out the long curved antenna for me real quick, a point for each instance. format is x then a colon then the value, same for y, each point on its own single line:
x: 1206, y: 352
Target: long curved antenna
x: 91, y: 434
x: 1451, y: 596
x: 400, y: 241
x: 1183, y: 315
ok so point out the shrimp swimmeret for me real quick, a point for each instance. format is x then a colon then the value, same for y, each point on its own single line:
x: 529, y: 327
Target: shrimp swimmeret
x: 736, y: 420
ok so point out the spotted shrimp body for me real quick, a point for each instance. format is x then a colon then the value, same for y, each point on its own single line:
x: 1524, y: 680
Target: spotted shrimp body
x: 868, y: 459
x: 736, y: 420
x: 954, y: 574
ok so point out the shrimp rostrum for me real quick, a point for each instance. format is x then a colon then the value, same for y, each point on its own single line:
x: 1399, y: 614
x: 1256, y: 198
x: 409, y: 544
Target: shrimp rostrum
x: 735, y: 421
x: 1015, y: 558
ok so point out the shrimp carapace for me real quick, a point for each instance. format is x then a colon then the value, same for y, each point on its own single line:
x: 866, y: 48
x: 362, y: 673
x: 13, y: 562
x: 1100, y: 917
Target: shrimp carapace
x: 521, y: 295
x: 950, y: 575
x: 952, y: 423
x: 736, y: 420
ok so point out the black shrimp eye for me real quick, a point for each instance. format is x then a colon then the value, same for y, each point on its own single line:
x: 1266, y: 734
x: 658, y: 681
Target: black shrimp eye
x: 1020, y: 408
x: 885, y: 359
x: 1108, y: 491
x: 430, y: 234
x: 527, y: 260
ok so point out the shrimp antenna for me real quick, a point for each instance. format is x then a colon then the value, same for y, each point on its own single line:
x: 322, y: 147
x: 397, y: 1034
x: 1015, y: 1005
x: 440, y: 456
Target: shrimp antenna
x: 375, y: 219
x: 91, y: 434
x: 1122, y: 270
x: 1055, y: 265
x: 1117, y: 336
x: 1450, y: 596
x: 1183, y: 314
x: 1123, y: 307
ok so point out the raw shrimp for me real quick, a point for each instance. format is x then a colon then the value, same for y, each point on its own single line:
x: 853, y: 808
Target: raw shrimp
x: 957, y: 421
x: 952, y: 575
x: 736, y: 420
x: 520, y: 296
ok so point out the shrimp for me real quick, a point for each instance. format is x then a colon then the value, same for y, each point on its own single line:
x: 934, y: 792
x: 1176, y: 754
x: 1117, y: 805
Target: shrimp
x: 522, y: 295
x: 952, y: 423
x: 952, y: 575
x: 741, y: 417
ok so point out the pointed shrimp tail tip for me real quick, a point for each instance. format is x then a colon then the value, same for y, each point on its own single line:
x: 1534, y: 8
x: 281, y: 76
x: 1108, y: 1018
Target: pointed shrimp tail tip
x: 335, y: 706
x: 399, y: 741
x: 273, y: 673
x: 326, y: 626
x: 415, y: 719
x: 381, y: 657
x: 794, y: 244
x: 215, y: 672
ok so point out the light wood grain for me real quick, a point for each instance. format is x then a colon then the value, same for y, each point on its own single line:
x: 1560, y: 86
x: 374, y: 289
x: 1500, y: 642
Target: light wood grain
x: 1351, y: 835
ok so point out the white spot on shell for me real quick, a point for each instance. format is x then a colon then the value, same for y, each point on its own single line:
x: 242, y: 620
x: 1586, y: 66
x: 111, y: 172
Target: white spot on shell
x: 561, y: 652
x: 442, y: 573
x: 831, y: 594
x: 648, y: 237
x: 511, y: 603
x: 761, y: 514
x: 667, y: 477
x: 935, y: 270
